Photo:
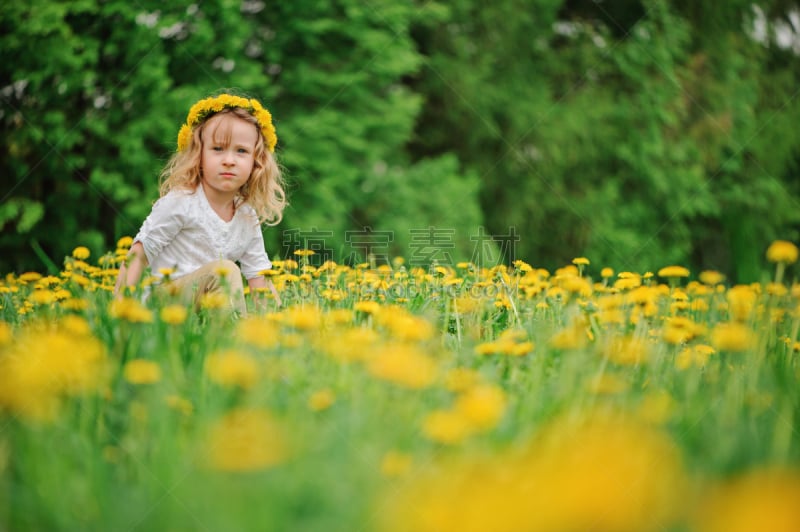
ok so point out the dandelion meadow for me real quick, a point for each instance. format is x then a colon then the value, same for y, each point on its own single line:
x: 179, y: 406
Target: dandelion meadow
x: 388, y: 398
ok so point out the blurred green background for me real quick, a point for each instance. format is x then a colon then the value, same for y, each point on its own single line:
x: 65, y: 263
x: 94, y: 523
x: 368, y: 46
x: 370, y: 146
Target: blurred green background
x: 635, y: 133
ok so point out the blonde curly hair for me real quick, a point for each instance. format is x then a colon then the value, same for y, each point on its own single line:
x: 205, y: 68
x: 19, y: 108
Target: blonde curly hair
x: 264, y: 190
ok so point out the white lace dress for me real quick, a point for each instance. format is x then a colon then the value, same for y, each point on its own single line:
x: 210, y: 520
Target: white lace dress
x: 184, y: 233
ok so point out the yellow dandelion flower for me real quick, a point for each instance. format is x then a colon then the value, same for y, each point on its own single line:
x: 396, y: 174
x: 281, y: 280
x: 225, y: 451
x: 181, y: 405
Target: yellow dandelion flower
x: 673, y: 272
x: 403, y: 365
x: 482, y: 406
x: 173, y: 314
x: 42, y: 297
x: 611, y: 316
x: 795, y: 290
x: 580, y: 261
x: 605, y: 273
x: 520, y: 265
x: 45, y: 363
x: 81, y: 253
x: 5, y: 333
x: 627, y: 350
x: 696, y: 355
x: 461, y: 379
x: 321, y: 400
x: 245, y: 440
x: 776, y: 289
x: 141, y: 371
x: 446, y: 426
x: 574, y: 477
x: 758, y: 500
x: 782, y: 251
x: 403, y: 325
x: 339, y: 316
x: 29, y: 277
x: 571, y: 337
x: 466, y: 304
x: 304, y: 252
x: 350, y: 344
x: 62, y: 294
x: 80, y: 280
x: 680, y: 295
x: 260, y: 332
x: 395, y: 464
x: 741, y: 302
x: 221, y: 270
x: 367, y: 307
x: 711, y: 277
x: 732, y: 336
x: 124, y: 242
x: 214, y: 301
x: 292, y: 340
x: 75, y: 304
x: 606, y: 384
x: 131, y: 310
x: 577, y: 285
x: 520, y: 349
x: 303, y: 318
x: 232, y: 368
x: 627, y: 283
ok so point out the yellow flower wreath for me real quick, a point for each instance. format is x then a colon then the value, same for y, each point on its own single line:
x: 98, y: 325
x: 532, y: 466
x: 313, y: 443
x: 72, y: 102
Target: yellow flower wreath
x: 209, y: 106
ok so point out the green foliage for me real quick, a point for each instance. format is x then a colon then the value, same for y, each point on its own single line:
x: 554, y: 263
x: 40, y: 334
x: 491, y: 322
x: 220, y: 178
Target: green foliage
x: 637, y: 133
x: 636, y: 142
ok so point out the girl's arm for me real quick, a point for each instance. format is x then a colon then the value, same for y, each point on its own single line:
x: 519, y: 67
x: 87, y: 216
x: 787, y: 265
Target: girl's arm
x: 130, y: 272
x: 260, y: 282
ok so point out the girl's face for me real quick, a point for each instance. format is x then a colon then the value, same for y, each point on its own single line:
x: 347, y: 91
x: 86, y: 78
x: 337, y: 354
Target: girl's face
x: 227, y: 158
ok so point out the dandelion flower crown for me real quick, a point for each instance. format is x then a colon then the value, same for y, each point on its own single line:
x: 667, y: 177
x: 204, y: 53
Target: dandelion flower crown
x: 210, y: 106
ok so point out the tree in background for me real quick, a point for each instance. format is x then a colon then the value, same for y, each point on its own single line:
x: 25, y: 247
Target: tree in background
x: 93, y: 95
x: 347, y: 117
x: 638, y: 133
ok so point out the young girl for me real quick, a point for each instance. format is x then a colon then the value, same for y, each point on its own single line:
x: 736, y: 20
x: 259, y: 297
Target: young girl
x: 216, y: 190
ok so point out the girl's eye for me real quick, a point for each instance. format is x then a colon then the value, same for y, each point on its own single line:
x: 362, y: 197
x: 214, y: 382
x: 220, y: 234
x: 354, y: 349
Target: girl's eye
x: 217, y: 148
x: 242, y: 150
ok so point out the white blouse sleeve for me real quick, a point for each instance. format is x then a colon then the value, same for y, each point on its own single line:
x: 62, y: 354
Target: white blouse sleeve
x: 254, y: 259
x: 165, y: 221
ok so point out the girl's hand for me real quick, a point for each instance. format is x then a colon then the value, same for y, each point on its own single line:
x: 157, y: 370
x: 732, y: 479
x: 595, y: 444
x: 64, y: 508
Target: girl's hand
x: 257, y: 288
x: 130, y: 271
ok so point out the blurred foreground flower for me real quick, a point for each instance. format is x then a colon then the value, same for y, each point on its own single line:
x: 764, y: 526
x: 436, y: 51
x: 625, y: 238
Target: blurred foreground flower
x: 46, y: 362
x: 403, y: 365
x: 173, y: 314
x: 395, y: 464
x: 732, y: 337
x: 321, y: 400
x: 245, y: 440
x: 131, y: 310
x: 232, y: 368
x: 760, y: 500
x: 605, y: 474
x: 140, y: 371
